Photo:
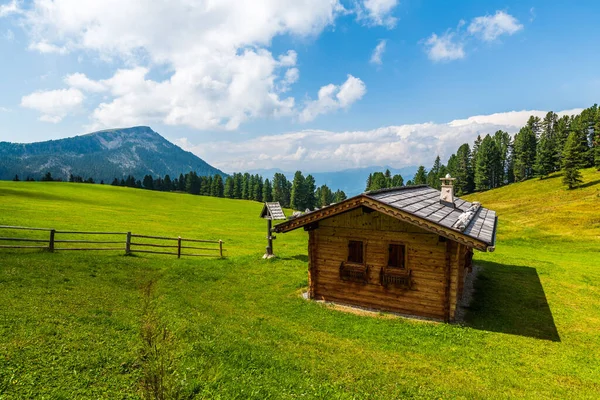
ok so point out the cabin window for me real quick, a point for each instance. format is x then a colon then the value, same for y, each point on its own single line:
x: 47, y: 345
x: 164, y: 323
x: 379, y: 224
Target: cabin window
x: 355, y: 252
x: 397, y: 256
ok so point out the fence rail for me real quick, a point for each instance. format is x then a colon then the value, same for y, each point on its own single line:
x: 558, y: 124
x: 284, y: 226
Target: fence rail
x: 127, y: 245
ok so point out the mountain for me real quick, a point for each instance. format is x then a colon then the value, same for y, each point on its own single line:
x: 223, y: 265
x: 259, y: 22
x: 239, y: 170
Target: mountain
x: 102, y: 155
x: 351, y: 181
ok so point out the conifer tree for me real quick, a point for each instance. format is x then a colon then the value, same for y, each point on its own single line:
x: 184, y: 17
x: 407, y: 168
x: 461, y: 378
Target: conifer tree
x: 487, y: 165
x: 545, y: 156
x: 267, y: 194
x: 397, y: 180
x: 298, y: 195
x: 228, y: 189
x: 339, y: 196
x: 310, y: 187
x: 148, y: 182
x: 257, y: 188
x: 369, y: 183
x: 502, y: 140
x: 217, y: 187
x: 572, y: 161
x: 525, y: 145
x: 16, y: 178
x: 388, y: 178
x: 421, y: 176
x: 464, y: 172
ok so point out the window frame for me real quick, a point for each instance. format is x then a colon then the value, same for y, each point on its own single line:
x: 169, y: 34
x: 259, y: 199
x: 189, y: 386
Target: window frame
x: 362, y: 251
x: 404, y: 265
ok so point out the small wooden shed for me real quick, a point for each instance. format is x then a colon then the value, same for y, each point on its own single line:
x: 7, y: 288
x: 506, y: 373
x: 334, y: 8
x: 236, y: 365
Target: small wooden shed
x: 405, y: 250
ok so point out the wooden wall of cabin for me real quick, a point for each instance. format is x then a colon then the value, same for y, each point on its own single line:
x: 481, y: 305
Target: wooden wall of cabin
x: 433, y: 262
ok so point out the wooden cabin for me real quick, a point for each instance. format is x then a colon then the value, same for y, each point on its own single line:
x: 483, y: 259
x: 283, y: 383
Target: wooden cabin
x: 405, y: 250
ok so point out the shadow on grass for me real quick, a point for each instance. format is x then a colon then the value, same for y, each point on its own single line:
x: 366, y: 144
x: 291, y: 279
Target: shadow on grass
x: 588, y: 184
x: 299, y: 257
x: 511, y: 299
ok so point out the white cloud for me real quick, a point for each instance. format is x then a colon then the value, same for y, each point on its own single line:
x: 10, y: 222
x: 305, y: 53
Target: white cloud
x: 10, y: 8
x: 4, y: 109
x: 80, y: 81
x: 489, y: 27
x: 332, y: 97
x: 377, y: 12
x: 319, y: 150
x: 53, y: 104
x: 221, y: 73
x: 444, y: 48
x: 378, y: 52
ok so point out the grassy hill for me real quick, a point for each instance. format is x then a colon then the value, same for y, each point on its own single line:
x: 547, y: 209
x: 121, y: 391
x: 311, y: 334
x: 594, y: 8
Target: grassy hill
x: 101, y: 325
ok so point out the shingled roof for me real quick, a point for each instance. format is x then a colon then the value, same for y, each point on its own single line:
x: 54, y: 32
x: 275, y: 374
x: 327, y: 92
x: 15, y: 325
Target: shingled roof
x: 464, y: 222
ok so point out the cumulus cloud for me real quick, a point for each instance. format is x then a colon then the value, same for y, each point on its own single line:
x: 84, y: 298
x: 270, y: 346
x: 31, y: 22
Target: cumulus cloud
x: 377, y: 12
x: 489, y: 27
x: 54, y: 105
x: 221, y: 72
x: 378, y: 52
x: 332, y: 97
x: 320, y: 150
x: 451, y: 45
x: 444, y: 48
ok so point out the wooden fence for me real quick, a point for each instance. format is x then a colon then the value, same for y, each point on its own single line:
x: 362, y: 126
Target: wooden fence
x: 129, y: 242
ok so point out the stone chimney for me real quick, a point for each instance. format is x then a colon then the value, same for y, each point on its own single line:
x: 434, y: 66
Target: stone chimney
x: 447, y: 193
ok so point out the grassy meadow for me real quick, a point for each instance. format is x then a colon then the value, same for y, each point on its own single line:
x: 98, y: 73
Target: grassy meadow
x: 106, y: 325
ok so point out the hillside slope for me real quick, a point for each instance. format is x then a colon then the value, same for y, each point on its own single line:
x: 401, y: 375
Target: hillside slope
x: 102, y: 155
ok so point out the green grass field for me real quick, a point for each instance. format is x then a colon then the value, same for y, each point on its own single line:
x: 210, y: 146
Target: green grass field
x: 104, y: 325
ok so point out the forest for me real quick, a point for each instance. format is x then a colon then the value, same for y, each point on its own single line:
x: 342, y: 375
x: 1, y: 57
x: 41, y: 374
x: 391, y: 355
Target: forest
x: 542, y: 146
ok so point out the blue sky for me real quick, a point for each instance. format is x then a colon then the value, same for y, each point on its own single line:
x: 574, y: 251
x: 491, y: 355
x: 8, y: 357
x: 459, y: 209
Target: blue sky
x: 295, y: 84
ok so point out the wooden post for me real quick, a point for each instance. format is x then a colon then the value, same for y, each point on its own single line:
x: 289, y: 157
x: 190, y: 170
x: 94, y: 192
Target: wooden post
x: 179, y: 247
x: 220, y: 248
x: 128, y: 244
x: 269, y: 238
x: 51, y: 242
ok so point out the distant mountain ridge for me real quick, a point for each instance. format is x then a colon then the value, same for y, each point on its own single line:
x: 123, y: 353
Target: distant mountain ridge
x: 351, y: 181
x: 103, y: 155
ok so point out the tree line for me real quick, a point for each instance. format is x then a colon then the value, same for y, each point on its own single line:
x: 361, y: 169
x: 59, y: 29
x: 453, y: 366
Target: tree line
x: 300, y: 194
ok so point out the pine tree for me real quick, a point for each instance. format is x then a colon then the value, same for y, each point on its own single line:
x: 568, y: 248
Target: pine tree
x: 339, y: 196
x: 378, y: 181
x: 115, y: 182
x: 267, y: 194
x: 148, y: 182
x: 421, y: 176
x: 369, y: 183
x: 257, y: 189
x: 397, y: 180
x: 572, y: 161
x: 181, y: 183
x: 47, y: 177
x: 310, y: 187
x: 476, y: 145
x: 325, y: 196
x: 16, y: 178
x: 298, y: 195
x: 433, y: 177
x: 525, y: 145
x: 487, y: 165
x: 502, y: 140
x: 281, y: 190
x: 228, y: 189
x: 246, y: 186
x: 545, y: 156
x: 238, y: 185
x: 388, y: 178
x: 167, y: 184
x: 464, y: 172
x: 217, y: 187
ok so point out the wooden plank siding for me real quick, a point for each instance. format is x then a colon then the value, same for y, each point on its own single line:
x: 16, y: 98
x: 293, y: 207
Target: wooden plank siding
x: 435, y: 289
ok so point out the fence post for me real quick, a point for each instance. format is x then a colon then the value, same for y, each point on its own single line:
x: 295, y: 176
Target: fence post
x: 128, y: 244
x: 220, y: 248
x: 179, y: 247
x: 51, y: 242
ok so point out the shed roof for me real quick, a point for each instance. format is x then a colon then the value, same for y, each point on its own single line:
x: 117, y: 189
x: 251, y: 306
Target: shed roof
x: 463, y: 221
x: 272, y: 210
